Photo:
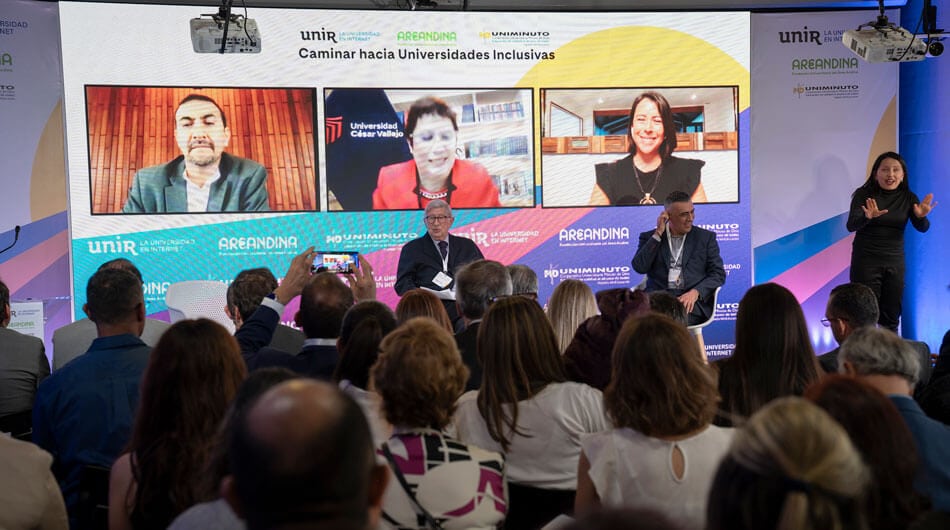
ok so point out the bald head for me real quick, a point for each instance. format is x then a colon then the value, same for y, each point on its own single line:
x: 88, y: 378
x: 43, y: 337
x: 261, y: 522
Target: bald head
x: 304, y: 454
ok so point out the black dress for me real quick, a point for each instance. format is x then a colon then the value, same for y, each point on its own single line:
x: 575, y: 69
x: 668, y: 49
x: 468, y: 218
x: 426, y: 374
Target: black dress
x: 619, y: 183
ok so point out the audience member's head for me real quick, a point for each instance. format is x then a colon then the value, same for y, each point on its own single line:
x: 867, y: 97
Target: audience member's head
x: 302, y: 457
x: 419, y: 375
x: 364, y: 326
x: 257, y: 382
x: 773, y: 356
x: 114, y: 299
x: 880, y: 353
x: 192, y: 375
x: 323, y: 302
x: 477, y: 284
x: 519, y: 356
x: 665, y: 303
x: 245, y: 293
x: 622, y: 519
x: 880, y: 434
x: 792, y: 466
x: 422, y: 303
x: 524, y: 281
x: 122, y: 264
x: 588, y: 355
x: 571, y: 303
x: 661, y: 386
x: 850, y: 306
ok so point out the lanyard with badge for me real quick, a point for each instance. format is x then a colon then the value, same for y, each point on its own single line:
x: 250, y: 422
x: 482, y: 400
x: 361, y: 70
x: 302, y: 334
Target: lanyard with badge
x: 675, y: 278
x: 442, y: 279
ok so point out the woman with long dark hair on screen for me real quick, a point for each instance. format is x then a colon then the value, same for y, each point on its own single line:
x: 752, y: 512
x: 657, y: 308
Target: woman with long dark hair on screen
x: 650, y: 170
x: 880, y: 210
x: 434, y: 172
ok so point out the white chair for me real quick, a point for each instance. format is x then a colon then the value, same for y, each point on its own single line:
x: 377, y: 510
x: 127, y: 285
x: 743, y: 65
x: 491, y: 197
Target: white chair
x: 198, y: 299
x: 697, y: 329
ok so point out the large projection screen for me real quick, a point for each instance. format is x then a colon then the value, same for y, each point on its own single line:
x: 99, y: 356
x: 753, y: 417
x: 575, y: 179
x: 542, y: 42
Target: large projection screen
x: 318, y: 118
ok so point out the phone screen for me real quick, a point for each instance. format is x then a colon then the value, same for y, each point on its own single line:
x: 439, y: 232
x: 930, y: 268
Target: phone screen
x: 338, y: 262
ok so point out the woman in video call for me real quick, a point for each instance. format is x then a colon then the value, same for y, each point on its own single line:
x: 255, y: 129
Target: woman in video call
x: 650, y: 172
x: 879, y: 213
x: 434, y: 171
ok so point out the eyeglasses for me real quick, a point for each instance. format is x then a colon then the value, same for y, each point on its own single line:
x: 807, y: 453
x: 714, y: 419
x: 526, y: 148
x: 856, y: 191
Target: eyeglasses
x: 435, y: 219
x: 427, y: 137
x: 827, y: 321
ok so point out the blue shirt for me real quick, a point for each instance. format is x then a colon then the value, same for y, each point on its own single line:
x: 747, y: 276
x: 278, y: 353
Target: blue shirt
x: 84, y: 412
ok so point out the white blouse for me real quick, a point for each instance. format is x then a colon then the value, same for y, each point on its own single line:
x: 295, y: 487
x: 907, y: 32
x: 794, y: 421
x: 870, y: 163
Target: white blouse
x: 631, y: 470
x: 553, y: 421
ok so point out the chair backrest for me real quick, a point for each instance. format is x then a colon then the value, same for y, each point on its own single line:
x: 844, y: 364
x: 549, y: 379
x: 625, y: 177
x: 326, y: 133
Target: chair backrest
x: 198, y: 299
x: 712, y: 315
x: 92, y: 509
x: 18, y: 425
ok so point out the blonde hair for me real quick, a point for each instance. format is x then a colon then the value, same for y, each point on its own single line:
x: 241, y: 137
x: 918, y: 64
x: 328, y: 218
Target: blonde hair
x: 792, y: 467
x: 571, y: 303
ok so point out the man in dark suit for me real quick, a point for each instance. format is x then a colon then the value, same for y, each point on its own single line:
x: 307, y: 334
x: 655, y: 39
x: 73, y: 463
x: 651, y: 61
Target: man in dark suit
x: 681, y: 258
x: 890, y: 364
x: 23, y: 363
x: 477, y: 284
x: 430, y: 262
x: 850, y: 306
x: 204, y: 178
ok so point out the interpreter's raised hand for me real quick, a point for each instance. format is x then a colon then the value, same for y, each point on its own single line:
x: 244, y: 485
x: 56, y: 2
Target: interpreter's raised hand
x: 689, y: 299
x: 661, y: 223
x: 870, y: 209
x: 924, y: 207
x: 298, y: 274
x: 361, y: 280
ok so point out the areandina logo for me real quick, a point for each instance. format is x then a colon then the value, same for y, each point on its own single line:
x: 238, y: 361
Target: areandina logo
x: 333, y: 128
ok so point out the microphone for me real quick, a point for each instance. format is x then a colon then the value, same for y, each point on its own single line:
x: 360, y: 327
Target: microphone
x: 16, y: 237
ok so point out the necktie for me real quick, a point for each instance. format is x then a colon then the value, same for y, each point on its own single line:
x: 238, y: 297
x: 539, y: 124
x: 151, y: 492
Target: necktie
x: 444, y: 248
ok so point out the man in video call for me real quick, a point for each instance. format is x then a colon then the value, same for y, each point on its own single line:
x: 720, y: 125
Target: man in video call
x: 204, y: 178
x: 430, y: 261
x: 681, y: 258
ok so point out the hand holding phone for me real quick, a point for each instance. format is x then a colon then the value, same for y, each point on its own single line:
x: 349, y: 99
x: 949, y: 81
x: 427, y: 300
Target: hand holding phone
x: 337, y: 262
x: 661, y: 223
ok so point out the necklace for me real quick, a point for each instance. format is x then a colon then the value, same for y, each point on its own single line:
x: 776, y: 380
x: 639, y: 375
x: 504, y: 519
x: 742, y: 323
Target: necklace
x: 647, y: 195
x: 429, y: 195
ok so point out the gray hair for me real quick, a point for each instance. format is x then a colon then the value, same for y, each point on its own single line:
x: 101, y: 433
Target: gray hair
x: 876, y: 351
x: 523, y: 279
x: 477, y: 283
x: 438, y: 204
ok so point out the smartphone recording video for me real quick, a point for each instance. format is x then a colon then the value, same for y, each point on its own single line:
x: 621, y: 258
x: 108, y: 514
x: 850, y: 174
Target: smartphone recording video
x: 335, y: 261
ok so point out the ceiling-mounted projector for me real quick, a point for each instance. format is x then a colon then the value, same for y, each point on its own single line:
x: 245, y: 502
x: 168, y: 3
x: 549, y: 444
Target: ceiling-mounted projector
x: 223, y: 32
x: 885, y: 44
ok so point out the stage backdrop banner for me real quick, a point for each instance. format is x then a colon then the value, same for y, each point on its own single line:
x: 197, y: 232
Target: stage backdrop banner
x: 828, y: 116
x: 32, y: 151
x: 516, y: 82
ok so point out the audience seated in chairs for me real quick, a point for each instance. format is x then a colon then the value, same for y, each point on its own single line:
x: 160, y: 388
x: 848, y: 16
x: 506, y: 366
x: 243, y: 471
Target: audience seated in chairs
x: 422, y: 303
x: 879, y: 433
x: 790, y: 466
x: 571, y: 303
x: 890, y: 364
x: 773, y: 355
x: 476, y: 285
x: 218, y: 513
x: 419, y: 375
x: 84, y: 412
x: 302, y: 457
x: 528, y: 410
x: 524, y: 281
x: 192, y: 376
x: 587, y: 358
x: 23, y: 365
x: 662, y: 452
x: 364, y: 327
x: 665, y: 303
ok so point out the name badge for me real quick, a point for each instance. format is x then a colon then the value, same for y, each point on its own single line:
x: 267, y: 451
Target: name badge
x: 675, y: 278
x: 442, y: 280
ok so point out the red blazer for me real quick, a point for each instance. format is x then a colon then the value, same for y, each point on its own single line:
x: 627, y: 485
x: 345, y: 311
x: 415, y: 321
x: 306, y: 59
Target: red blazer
x: 473, y: 187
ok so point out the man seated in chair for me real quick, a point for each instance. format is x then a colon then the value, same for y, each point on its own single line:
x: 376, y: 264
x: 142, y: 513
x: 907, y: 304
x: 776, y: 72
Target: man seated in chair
x: 681, y: 258
x: 244, y: 296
